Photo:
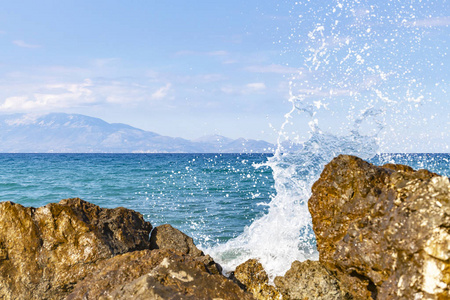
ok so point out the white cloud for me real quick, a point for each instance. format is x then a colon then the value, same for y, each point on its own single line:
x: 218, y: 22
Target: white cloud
x: 217, y: 53
x: 250, y: 88
x: 210, y: 78
x: 56, y: 88
x: 130, y: 93
x: 14, y: 103
x: 193, y: 80
x: 55, y: 96
x: 23, y: 44
x: 430, y: 22
x: 200, y: 53
x: 314, y: 92
x: 228, y: 90
x: 102, y: 62
x: 161, y: 92
x: 278, y: 69
x: 256, y: 86
x: 198, y: 79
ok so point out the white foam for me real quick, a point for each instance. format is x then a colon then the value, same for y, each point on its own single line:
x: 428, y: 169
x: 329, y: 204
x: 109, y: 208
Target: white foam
x: 348, y: 84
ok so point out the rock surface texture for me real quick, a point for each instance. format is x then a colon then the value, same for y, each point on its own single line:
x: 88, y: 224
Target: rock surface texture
x: 76, y: 250
x: 384, y: 232
x: 309, y: 280
x: 45, y: 251
x: 167, y: 237
x: 156, y: 274
x: 252, y: 275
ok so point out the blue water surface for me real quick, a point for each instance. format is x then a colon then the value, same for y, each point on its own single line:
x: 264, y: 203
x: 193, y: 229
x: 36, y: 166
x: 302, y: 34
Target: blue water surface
x: 211, y: 197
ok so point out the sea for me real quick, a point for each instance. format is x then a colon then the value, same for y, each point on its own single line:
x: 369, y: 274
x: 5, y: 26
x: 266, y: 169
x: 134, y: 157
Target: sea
x: 231, y: 204
x: 364, y: 78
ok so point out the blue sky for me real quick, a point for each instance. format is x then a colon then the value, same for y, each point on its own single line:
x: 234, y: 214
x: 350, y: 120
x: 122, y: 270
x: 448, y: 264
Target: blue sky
x: 193, y: 68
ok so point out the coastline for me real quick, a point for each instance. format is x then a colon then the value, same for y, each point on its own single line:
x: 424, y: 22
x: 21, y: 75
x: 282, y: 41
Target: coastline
x: 116, y: 243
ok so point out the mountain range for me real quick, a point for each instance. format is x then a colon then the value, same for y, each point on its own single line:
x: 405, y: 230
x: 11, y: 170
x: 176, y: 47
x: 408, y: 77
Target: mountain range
x: 75, y: 133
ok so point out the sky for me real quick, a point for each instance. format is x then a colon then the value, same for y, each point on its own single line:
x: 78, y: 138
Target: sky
x: 195, y: 68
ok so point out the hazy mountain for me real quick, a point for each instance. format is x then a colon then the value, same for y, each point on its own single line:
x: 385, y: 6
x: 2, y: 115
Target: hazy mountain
x: 73, y: 133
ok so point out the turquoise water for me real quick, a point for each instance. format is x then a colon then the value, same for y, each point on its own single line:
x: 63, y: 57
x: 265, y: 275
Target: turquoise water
x: 235, y: 206
x: 211, y: 197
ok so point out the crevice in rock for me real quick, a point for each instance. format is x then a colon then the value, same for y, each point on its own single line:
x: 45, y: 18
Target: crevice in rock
x: 235, y: 280
x: 371, y: 287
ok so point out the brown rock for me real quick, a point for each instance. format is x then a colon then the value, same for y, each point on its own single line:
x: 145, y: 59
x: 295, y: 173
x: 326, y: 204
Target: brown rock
x: 383, y: 231
x: 156, y: 274
x: 167, y: 237
x: 123, y: 229
x: 309, y: 280
x: 45, y: 251
x: 252, y: 275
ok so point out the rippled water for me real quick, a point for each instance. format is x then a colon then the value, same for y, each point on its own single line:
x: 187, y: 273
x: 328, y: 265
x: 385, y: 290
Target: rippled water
x: 209, y: 196
x: 212, y: 197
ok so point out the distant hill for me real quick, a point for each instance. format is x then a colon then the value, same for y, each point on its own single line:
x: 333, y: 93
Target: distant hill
x: 74, y: 133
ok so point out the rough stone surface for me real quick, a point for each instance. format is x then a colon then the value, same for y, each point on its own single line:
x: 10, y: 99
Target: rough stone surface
x: 383, y: 231
x: 309, y: 280
x: 252, y: 275
x: 156, y: 274
x: 45, y: 251
x: 167, y: 237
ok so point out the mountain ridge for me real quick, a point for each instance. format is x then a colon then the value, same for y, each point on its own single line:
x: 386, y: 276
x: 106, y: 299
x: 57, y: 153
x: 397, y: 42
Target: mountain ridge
x: 77, y: 133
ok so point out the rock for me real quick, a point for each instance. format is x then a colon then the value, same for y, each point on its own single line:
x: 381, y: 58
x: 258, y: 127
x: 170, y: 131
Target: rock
x: 167, y: 237
x: 77, y: 250
x: 156, y: 274
x: 309, y: 280
x: 45, y: 251
x: 252, y: 275
x: 383, y: 231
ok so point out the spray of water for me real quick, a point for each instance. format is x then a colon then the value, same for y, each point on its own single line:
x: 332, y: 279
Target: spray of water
x: 359, y: 78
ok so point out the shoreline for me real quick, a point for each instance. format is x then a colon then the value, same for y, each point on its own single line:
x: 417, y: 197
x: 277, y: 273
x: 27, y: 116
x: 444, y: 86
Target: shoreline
x: 365, y: 217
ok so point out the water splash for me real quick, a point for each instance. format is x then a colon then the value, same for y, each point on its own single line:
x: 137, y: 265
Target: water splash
x: 285, y: 233
x: 359, y: 84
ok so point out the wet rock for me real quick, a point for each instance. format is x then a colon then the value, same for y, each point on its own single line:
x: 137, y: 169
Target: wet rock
x: 253, y: 277
x: 45, y: 251
x: 384, y: 232
x: 309, y: 280
x: 156, y: 274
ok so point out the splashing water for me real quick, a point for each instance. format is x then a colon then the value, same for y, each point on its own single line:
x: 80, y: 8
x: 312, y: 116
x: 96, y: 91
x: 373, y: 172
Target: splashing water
x: 285, y: 233
x: 360, y: 84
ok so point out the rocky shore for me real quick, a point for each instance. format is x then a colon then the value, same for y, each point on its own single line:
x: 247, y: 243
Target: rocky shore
x: 382, y: 233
